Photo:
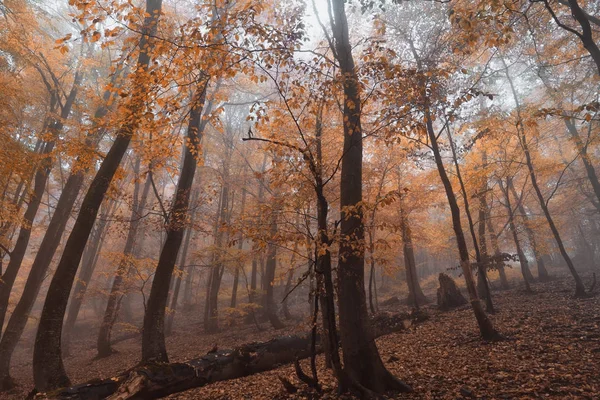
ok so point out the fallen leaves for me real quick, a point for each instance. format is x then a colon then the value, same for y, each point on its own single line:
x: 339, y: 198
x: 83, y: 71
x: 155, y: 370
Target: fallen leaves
x: 552, y: 352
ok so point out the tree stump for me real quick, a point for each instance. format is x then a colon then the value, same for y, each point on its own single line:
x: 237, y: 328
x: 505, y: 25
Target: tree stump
x: 448, y: 294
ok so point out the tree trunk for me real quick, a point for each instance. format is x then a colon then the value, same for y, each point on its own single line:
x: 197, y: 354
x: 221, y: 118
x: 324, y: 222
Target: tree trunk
x: 587, y: 162
x: 18, y: 320
x: 49, y: 371
x: 288, y: 286
x: 236, y: 275
x: 482, y: 282
x: 153, y: 335
x: 579, y: 287
x: 269, y: 278
x: 116, y: 292
x: 253, y: 292
x: 586, y: 36
x: 416, y: 297
x: 542, y: 271
x: 362, y: 362
x: 211, y: 310
x: 371, y: 276
x: 494, y: 239
x: 182, y: 266
x: 89, y: 261
x: 527, y: 276
x: 487, y: 330
x: 42, y: 173
x: 448, y: 294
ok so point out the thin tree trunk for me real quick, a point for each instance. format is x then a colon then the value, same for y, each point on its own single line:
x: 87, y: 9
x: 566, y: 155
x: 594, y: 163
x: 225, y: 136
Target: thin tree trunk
x: 542, y: 271
x: 236, y: 275
x: 252, y: 293
x: 527, y: 276
x: 579, y: 287
x: 326, y: 286
x: 48, y: 368
x: 211, y: 310
x: 116, y: 292
x: 288, y: 284
x: 487, y: 330
x: 482, y: 282
x: 269, y: 278
x: 494, y: 239
x: 416, y: 296
x: 42, y: 173
x: 153, y: 335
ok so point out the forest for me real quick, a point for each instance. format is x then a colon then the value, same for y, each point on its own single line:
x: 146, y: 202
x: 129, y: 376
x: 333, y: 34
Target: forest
x: 299, y: 199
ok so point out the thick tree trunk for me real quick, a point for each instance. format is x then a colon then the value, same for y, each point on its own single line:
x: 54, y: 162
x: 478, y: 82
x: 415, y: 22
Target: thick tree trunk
x: 18, y: 320
x: 182, y: 266
x: 362, y: 362
x: 527, y: 276
x: 487, y: 330
x: 49, y: 371
x: 103, y: 345
x: 542, y: 271
x: 153, y: 335
x: 586, y: 35
x: 42, y: 173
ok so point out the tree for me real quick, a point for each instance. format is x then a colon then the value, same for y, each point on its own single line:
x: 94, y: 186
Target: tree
x: 114, y: 299
x: 579, y: 287
x: 153, y: 339
x: 362, y: 362
x: 55, y: 125
x: 49, y: 371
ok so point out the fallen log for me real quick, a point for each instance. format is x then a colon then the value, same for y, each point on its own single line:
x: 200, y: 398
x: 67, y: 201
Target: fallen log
x: 155, y: 380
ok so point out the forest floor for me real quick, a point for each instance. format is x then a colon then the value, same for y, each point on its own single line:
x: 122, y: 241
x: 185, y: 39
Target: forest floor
x: 552, y: 351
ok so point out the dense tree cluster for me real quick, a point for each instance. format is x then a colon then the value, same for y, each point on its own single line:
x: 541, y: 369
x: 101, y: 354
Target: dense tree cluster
x: 250, y: 161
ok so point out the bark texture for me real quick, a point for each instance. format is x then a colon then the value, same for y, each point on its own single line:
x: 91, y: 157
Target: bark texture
x: 48, y: 368
x: 153, y: 334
